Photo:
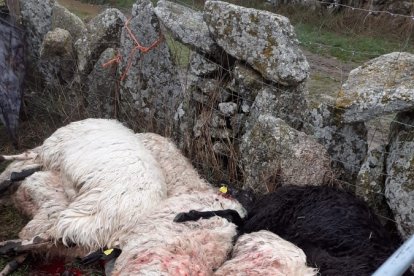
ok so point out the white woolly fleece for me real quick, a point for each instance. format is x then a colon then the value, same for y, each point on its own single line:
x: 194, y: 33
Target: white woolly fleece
x: 161, y: 247
x: 108, y: 175
x: 180, y: 175
x: 265, y: 253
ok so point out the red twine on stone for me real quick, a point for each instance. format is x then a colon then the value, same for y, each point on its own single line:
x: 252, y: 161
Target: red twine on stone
x: 117, y: 59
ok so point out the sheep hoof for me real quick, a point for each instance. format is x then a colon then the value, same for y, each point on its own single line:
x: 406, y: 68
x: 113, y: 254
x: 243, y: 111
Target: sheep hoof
x: 19, y: 246
x: 8, y: 247
x: 19, y: 176
x: 181, y: 217
x: 13, y: 265
x: 189, y: 216
x: 5, y: 185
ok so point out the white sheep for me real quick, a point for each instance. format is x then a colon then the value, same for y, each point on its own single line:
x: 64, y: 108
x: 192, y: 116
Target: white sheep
x: 161, y: 247
x: 108, y: 176
x: 265, y: 253
x: 153, y: 244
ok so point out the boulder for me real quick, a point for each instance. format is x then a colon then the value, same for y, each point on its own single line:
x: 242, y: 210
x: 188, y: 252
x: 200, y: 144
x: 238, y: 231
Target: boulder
x: 346, y: 143
x: 186, y: 25
x: 57, y: 57
x: 202, y: 67
x: 64, y: 19
x: 381, y: 86
x: 399, y: 183
x: 102, y: 85
x: 370, y: 183
x: 287, y: 103
x: 151, y: 92
x: 273, y: 153
x: 264, y: 40
x: 37, y: 20
x: 103, y: 32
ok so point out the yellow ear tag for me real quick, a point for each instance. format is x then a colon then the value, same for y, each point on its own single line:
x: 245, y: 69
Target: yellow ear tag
x: 223, y: 189
x: 108, y: 251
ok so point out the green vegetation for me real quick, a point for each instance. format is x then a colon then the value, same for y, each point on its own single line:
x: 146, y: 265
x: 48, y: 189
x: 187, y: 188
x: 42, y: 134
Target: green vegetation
x: 347, y: 36
x: 356, y: 48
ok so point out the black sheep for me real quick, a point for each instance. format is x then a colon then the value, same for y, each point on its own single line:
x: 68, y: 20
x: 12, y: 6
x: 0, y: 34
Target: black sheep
x: 338, y: 232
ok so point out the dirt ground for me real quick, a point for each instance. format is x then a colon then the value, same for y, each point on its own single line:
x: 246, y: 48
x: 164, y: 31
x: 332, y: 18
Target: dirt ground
x: 83, y: 10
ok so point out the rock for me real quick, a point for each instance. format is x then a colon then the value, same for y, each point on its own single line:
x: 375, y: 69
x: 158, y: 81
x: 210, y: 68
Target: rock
x: 237, y: 123
x: 103, y: 32
x: 221, y: 148
x: 151, y: 91
x: 186, y: 25
x: 346, y: 143
x: 208, y: 91
x: 264, y: 40
x: 399, y: 183
x: 57, y: 57
x: 272, y: 152
x: 287, y: 103
x: 246, y: 83
x: 381, y: 86
x: 217, y: 120
x: 228, y: 109
x: 37, y: 20
x: 370, y: 183
x: 102, y: 85
x: 202, y: 67
x: 64, y: 19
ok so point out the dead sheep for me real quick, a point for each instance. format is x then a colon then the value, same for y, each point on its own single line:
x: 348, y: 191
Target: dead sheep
x: 107, y: 174
x: 38, y: 192
x: 265, y: 253
x: 338, y: 232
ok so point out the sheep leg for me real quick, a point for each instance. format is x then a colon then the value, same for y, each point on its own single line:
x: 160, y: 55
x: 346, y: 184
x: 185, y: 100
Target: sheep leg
x: 19, y: 246
x: 228, y: 214
x: 101, y: 255
x: 13, y: 265
x: 23, y: 156
x: 19, y: 176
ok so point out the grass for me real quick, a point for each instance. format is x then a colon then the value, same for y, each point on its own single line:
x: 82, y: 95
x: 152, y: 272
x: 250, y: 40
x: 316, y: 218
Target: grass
x: 11, y: 222
x: 346, y: 48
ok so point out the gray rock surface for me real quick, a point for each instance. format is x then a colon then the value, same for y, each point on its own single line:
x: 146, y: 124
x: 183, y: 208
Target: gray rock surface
x: 64, y: 19
x: 37, y: 20
x: 102, y: 85
x: 272, y: 152
x: 57, y: 57
x: 289, y: 104
x: 202, y: 67
x: 381, y: 86
x: 103, y: 32
x: 266, y: 41
x: 399, y: 183
x: 228, y: 108
x: 346, y: 143
x: 186, y: 25
x: 370, y: 183
x: 151, y: 91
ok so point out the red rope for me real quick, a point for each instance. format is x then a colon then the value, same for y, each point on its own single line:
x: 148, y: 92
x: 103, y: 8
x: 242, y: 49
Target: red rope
x: 117, y: 59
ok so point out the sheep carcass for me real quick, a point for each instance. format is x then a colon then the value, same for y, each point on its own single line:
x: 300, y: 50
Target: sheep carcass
x: 265, y: 253
x: 338, y: 232
x: 161, y: 247
x: 108, y: 176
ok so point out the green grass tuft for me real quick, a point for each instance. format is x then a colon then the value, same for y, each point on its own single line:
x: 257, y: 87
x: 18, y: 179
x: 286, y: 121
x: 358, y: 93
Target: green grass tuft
x: 344, y: 47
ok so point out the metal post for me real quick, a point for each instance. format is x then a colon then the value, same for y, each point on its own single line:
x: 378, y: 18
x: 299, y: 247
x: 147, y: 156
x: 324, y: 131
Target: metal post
x: 399, y: 262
